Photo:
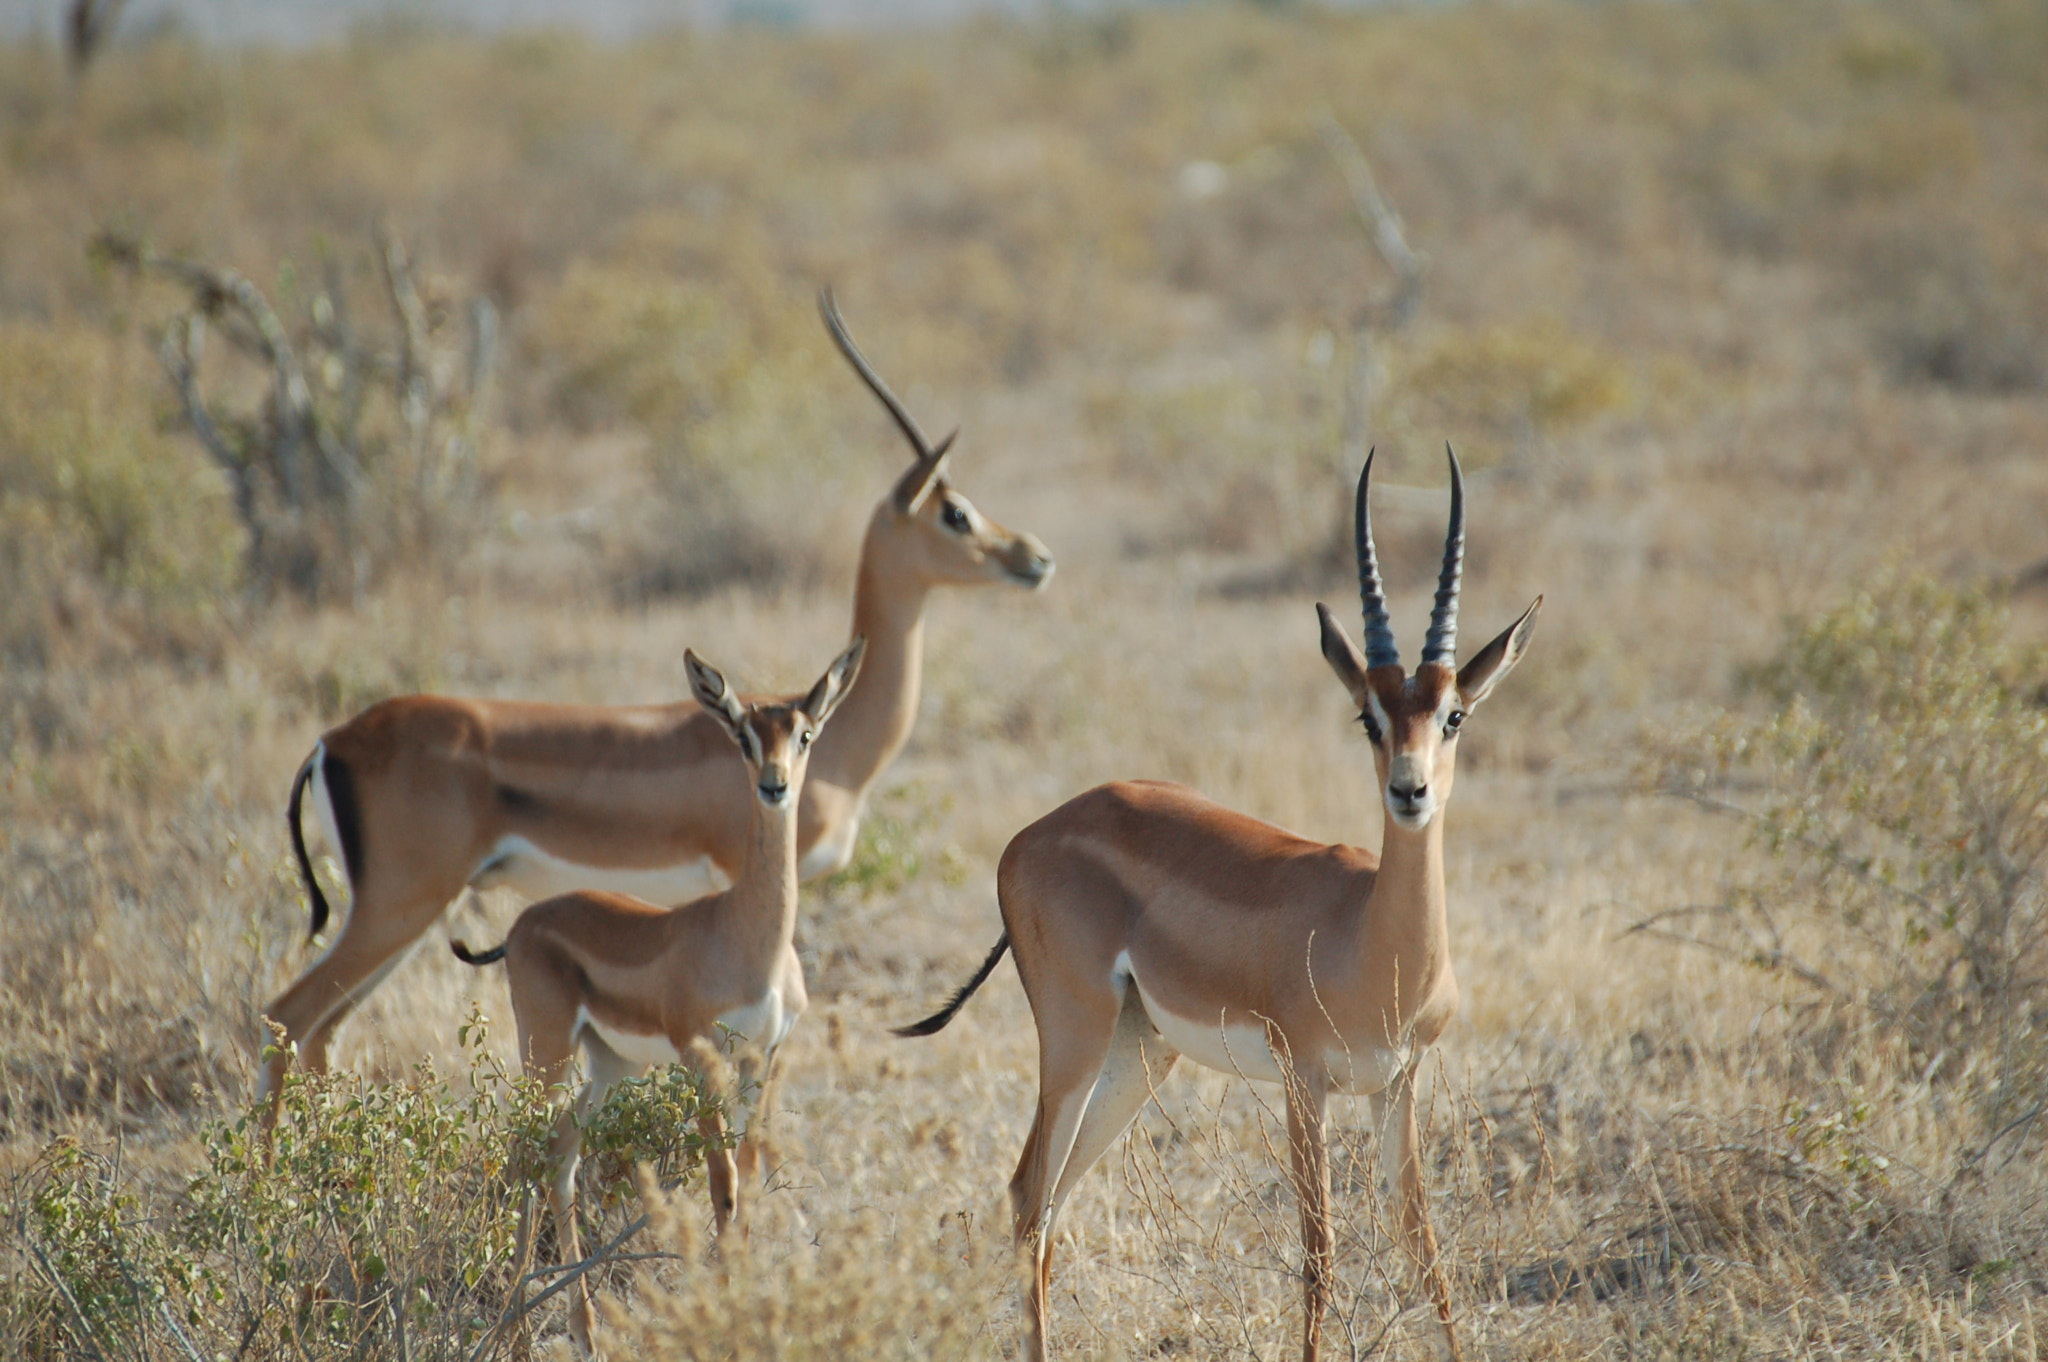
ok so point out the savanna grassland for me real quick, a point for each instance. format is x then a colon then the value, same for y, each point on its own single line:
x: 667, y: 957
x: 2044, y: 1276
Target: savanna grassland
x: 1736, y: 312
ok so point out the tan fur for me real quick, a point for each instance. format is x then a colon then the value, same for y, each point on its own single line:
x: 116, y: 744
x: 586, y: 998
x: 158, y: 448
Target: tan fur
x: 677, y: 975
x: 1140, y: 908
x: 439, y: 782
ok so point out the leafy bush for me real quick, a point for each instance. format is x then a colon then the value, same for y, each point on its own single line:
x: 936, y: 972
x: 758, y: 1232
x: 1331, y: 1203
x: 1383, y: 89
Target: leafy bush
x: 93, y: 495
x: 380, y: 1221
x: 1495, y: 384
x: 1904, y: 766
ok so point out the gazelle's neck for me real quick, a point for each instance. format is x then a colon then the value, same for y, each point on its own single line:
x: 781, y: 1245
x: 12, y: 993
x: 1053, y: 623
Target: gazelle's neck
x: 762, y: 901
x: 875, y: 720
x: 1408, y: 923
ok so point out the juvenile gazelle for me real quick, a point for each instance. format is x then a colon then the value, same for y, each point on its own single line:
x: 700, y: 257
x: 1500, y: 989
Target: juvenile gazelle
x: 634, y: 984
x: 423, y: 794
x: 1150, y: 923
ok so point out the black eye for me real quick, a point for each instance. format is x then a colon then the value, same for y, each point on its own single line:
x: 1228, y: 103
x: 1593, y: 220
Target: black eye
x: 955, y: 517
x: 1452, y: 720
x: 803, y: 739
x: 1370, y: 725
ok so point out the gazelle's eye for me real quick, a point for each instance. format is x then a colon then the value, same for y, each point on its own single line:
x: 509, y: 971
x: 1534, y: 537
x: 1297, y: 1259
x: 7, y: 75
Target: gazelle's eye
x: 1451, y: 722
x: 955, y: 517
x: 803, y: 740
x: 1370, y: 725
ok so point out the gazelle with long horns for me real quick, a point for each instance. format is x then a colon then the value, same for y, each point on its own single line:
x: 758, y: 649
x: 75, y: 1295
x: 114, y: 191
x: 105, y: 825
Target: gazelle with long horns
x: 633, y: 984
x: 1150, y: 923
x: 424, y: 795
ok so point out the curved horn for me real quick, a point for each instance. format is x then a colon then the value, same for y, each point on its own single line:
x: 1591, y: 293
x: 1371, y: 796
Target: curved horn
x: 1440, y: 644
x: 1380, y: 650
x: 829, y: 310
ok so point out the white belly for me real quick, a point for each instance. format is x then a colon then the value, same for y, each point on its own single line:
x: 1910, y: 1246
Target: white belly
x: 517, y: 864
x: 1241, y: 1047
x: 641, y: 1050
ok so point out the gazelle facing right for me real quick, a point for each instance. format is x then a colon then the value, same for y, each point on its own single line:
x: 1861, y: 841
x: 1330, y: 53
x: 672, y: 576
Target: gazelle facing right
x: 425, y: 794
x: 1150, y: 923
x: 634, y: 984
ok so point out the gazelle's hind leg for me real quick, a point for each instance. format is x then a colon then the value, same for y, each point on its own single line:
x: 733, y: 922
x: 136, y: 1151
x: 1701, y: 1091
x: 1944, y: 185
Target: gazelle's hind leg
x: 380, y: 927
x: 1138, y: 1061
x: 1309, y: 1170
x: 1401, y: 1157
x: 606, y: 1067
x: 1078, y: 1120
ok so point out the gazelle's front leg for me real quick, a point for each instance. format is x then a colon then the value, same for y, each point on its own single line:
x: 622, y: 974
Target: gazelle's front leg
x: 719, y: 1173
x: 1395, y: 1109
x: 382, y: 925
x: 756, y: 1075
x: 1308, y: 1143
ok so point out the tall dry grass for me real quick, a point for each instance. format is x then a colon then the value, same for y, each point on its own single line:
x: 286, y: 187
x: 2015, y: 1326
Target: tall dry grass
x: 1728, y: 307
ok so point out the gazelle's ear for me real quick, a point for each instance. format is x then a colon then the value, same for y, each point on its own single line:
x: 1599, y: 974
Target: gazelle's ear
x: 708, y: 685
x: 833, y: 686
x: 1477, y: 678
x: 1343, y: 656
x: 915, y: 486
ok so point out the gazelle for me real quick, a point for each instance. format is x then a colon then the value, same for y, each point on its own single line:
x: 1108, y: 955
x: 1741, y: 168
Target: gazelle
x: 424, y: 795
x: 1150, y: 923
x: 634, y: 984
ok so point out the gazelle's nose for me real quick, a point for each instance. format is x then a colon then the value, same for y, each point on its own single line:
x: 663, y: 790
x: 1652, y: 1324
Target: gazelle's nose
x: 773, y: 789
x: 1029, y: 561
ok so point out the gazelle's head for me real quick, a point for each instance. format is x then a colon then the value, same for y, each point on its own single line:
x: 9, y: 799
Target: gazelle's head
x: 775, y: 739
x: 1414, y: 721
x: 925, y: 528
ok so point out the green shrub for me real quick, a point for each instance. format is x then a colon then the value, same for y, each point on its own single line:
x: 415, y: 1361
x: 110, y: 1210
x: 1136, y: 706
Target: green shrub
x: 381, y: 1221
x: 1903, y: 760
x: 895, y: 845
x: 94, y: 496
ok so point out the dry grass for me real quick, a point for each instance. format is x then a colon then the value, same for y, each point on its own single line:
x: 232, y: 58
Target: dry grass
x: 1728, y: 307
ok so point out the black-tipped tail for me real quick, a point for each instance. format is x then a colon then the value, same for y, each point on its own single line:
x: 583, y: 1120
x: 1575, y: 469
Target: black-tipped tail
x: 489, y: 957
x: 937, y: 1020
x: 291, y: 815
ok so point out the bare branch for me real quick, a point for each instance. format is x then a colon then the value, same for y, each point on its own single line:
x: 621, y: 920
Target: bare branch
x: 1772, y: 959
x: 1382, y: 223
x: 570, y: 1274
x: 86, y: 29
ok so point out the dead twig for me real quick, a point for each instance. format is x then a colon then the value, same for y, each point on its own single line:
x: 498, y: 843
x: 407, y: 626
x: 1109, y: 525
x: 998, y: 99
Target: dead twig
x: 1382, y: 223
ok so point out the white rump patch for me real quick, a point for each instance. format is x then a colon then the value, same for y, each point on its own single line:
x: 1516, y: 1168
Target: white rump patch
x: 517, y: 864
x: 323, y: 813
x: 831, y: 853
x: 763, y: 1022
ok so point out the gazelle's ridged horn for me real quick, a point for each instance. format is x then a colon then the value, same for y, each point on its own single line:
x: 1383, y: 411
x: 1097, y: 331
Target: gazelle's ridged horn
x: 829, y: 310
x: 1380, y: 650
x: 1440, y: 644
